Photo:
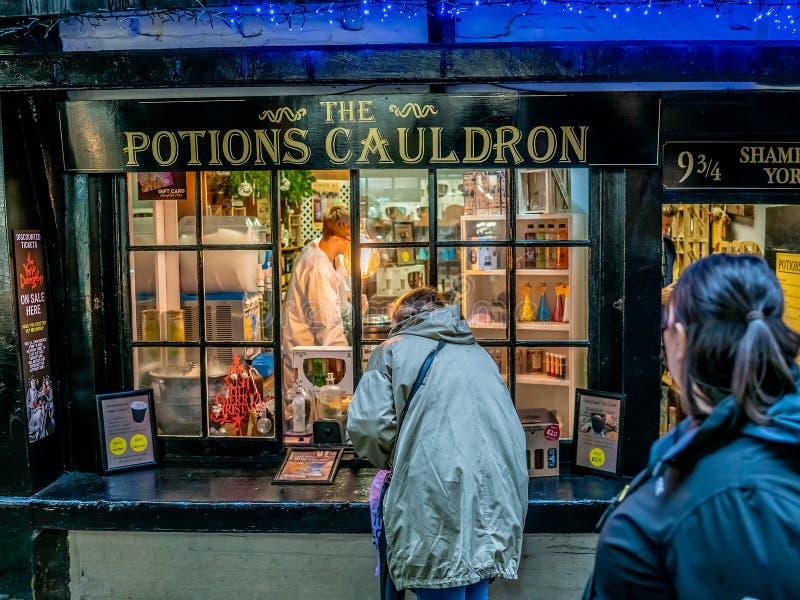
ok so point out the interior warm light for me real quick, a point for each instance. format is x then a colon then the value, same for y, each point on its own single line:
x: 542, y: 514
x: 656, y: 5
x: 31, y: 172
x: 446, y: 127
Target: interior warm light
x: 370, y: 259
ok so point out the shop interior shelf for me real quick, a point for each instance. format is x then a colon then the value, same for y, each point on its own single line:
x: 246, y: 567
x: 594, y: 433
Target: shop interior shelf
x: 543, y: 326
x: 539, y: 379
x: 544, y: 272
x: 495, y: 217
x: 563, y: 216
x: 491, y: 272
x: 487, y: 325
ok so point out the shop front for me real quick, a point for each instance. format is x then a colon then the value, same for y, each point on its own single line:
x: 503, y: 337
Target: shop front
x: 174, y: 241
x: 170, y: 231
x: 154, y: 242
x: 494, y: 200
x: 730, y: 181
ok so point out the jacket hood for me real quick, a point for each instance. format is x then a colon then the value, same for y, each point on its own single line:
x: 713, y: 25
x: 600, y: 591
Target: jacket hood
x: 784, y: 422
x: 690, y: 440
x: 440, y: 324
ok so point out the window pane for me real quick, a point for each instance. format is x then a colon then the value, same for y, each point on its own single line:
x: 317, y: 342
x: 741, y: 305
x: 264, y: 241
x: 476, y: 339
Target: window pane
x: 174, y: 375
x: 237, y: 207
x: 500, y: 358
x: 471, y: 205
x: 475, y: 279
x: 164, y: 290
x: 238, y: 295
x: 241, y: 392
x: 552, y: 193
x: 547, y: 378
x: 395, y: 205
x: 552, y: 295
x: 366, y: 352
x: 401, y: 269
x: 157, y: 202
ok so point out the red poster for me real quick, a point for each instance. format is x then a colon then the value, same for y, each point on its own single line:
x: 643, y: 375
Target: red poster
x: 33, y: 327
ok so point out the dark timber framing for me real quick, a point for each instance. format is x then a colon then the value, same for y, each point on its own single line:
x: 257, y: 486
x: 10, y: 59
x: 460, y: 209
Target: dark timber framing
x: 564, y: 62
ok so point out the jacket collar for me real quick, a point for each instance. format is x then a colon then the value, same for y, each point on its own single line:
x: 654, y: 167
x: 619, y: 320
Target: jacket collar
x: 691, y: 439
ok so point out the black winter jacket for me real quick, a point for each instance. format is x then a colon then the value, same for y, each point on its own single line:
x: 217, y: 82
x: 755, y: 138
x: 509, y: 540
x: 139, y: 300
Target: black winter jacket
x: 715, y: 515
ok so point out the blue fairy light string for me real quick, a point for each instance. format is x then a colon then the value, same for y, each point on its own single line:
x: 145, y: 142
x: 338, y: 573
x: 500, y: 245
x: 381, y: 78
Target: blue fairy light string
x: 245, y: 18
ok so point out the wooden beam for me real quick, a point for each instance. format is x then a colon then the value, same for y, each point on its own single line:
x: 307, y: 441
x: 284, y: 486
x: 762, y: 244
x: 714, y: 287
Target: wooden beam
x: 768, y: 63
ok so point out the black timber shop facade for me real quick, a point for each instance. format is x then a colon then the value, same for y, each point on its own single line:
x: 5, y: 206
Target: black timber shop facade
x: 63, y: 173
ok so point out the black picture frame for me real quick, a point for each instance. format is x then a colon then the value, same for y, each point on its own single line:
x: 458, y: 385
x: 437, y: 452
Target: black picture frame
x: 150, y: 458
x: 595, y: 444
x: 281, y: 478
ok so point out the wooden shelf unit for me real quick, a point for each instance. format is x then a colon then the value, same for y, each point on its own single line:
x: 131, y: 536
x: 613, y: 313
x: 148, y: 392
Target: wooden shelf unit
x: 481, y: 287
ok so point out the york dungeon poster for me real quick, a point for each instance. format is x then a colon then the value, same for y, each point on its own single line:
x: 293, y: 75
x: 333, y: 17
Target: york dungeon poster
x: 33, y: 333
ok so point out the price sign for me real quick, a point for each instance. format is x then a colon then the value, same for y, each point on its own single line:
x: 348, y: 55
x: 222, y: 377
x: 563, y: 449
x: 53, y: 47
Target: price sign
x: 731, y: 166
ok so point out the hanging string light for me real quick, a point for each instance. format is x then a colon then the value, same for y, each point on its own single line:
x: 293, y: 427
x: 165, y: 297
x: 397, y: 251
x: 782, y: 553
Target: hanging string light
x: 245, y: 18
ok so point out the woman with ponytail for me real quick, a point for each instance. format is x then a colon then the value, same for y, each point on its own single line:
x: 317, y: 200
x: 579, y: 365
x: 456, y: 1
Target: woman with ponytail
x: 717, y: 512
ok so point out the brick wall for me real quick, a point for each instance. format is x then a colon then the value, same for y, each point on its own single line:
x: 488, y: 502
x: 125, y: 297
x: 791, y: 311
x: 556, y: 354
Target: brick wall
x: 150, y: 566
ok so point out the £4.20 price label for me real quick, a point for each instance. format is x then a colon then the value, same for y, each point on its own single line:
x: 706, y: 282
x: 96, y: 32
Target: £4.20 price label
x: 597, y: 457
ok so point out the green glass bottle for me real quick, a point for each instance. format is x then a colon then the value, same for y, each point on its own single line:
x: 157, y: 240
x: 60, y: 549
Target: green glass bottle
x: 318, y: 373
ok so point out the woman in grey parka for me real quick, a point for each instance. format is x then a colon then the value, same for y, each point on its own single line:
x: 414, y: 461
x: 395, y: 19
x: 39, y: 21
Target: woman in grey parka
x: 455, y: 510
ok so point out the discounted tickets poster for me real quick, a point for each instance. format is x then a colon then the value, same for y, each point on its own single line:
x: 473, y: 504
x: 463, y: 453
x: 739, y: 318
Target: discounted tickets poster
x: 33, y: 328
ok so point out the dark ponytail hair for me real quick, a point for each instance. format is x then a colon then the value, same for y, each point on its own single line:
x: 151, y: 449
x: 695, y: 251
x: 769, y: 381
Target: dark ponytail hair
x: 737, y: 341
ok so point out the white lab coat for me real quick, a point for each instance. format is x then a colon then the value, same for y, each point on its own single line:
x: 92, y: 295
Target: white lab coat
x: 312, y: 309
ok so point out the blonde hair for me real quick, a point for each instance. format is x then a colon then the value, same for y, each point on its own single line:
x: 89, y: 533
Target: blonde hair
x: 336, y: 221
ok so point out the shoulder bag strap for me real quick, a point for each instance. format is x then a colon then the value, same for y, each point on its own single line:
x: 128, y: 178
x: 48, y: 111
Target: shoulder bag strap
x: 423, y: 372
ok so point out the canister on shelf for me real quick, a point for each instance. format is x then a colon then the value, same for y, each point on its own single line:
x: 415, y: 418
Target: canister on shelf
x: 151, y: 332
x: 176, y: 332
x: 563, y: 251
x: 552, y: 251
x: 541, y: 254
x: 530, y: 252
x: 535, y: 358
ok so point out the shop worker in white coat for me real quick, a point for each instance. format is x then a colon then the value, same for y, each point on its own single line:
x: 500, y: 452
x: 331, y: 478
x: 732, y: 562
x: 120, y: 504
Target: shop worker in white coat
x: 317, y: 293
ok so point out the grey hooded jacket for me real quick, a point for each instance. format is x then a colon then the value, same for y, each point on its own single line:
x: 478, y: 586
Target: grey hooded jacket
x: 455, y: 510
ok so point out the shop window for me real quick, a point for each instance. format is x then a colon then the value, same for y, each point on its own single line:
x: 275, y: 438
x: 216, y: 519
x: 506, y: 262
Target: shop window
x: 471, y: 205
x: 394, y: 205
x: 475, y: 279
x: 520, y: 275
x: 201, y: 280
x: 692, y: 231
x: 509, y: 248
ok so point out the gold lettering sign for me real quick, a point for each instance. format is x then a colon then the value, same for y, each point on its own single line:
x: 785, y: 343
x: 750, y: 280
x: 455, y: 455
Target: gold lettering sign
x: 344, y: 134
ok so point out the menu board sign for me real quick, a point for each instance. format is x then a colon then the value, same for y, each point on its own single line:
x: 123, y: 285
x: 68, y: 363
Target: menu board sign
x: 33, y: 333
x: 787, y: 268
x: 127, y: 430
x: 598, y: 431
x: 731, y: 165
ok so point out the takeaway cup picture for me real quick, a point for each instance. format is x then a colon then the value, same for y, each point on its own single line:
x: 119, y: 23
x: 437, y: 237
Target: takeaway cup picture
x: 138, y: 410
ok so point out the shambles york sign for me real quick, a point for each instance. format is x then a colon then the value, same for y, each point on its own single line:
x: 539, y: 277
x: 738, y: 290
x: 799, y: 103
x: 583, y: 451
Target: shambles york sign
x: 334, y: 132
